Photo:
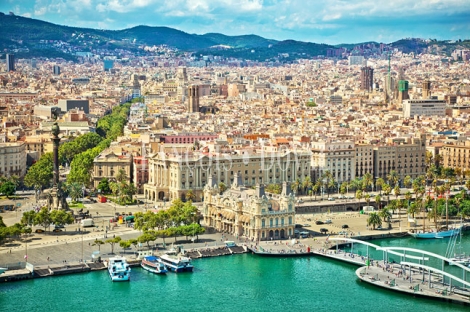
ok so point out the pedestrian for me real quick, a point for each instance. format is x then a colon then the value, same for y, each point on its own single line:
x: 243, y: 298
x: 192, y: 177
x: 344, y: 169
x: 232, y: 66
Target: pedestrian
x: 47, y: 258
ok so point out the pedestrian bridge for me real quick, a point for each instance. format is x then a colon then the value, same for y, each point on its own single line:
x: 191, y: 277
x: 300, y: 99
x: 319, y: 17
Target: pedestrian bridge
x: 428, y: 265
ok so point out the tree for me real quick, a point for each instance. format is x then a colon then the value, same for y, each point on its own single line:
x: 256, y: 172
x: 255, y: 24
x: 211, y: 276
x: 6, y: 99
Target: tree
x: 378, y: 201
x: 8, y: 188
x: 274, y: 188
x: 359, y: 194
x: 407, y: 181
x: 296, y: 186
x: 307, y: 184
x: 222, y: 187
x: 387, y: 189
x: 75, y: 190
x: 98, y: 243
x: 392, y: 178
x: 413, y: 209
x: 60, y: 217
x: 147, y: 237
x: 124, y: 244
x: 190, y: 195
x: 134, y: 242
x: 28, y: 217
x: 396, y: 191
x: 374, y: 220
x: 385, y: 214
x: 316, y: 187
x: 40, y: 174
x: 367, y: 181
x: 112, y: 242
x: 380, y: 183
x: 367, y: 198
x: 43, y: 218
x: 121, y: 176
x: 103, y: 186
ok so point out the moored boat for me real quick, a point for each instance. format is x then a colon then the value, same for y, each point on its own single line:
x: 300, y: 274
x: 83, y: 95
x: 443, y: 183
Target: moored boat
x: 2, y: 270
x: 438, y: 234
x: 119, y: 270
x: 176, y: 263
x: 153, y: 264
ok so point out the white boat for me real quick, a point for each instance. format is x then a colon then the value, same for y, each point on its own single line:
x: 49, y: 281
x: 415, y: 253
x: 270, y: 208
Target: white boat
x: 439, y: 234
x: 119, y: 270
x: 460, y: 259
x: 2, y: 270
x: 153, y: 264
x: 176, y: 263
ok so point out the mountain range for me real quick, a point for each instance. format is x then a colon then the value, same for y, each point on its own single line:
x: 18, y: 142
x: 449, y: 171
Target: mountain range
x: 26, y: 37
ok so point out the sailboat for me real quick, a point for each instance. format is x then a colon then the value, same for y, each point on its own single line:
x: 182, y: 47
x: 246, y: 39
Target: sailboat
x: 458, y: 257
x: 437, y: 233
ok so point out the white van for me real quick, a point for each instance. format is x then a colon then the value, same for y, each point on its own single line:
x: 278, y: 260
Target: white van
x: 88, y: 222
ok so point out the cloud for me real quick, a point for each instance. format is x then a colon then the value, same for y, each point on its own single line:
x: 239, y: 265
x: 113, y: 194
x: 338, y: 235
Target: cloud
x: 332, y: 21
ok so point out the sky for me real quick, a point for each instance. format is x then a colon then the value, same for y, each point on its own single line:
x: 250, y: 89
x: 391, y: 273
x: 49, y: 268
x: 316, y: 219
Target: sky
x: 325, y: 21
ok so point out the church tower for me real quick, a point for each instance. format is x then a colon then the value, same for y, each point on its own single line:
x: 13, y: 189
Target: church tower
x: 193, y: 102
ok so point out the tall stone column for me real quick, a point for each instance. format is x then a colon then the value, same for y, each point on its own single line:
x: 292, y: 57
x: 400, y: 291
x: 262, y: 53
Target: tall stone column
x: 55, y: 181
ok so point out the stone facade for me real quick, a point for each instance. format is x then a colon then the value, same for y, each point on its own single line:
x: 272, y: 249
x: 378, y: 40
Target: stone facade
x: 249, y: 213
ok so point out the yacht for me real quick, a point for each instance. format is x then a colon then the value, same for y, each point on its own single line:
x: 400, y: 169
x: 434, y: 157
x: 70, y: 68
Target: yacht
x: 153, y: 264
x: 176, y: 263
x: 119, y: 270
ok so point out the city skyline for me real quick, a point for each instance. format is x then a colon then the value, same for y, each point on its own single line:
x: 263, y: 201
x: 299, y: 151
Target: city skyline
x: 332, y: 22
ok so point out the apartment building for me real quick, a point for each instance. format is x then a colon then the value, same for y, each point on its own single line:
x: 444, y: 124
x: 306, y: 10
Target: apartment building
x: 249, y: 212
x: 107, y: 165
x: 336, y: 157
x: 364, y: 159
x: 13, y: 159
x: 405, y: 156
x: 424, y: 107
x: 172, y: 175
x: 456, y: 155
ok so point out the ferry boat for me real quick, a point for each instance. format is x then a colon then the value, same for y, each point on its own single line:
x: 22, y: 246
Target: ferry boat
x: 118, y: 269
x: 153, y: 264
x: 176, y: 263
x: 439, y: 234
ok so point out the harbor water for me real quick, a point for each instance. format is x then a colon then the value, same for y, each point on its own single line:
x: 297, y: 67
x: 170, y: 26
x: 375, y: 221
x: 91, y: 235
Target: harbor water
x: 239, y: 282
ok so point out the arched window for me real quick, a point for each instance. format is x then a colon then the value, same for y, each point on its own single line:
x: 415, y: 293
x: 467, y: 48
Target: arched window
x: 263, y: 223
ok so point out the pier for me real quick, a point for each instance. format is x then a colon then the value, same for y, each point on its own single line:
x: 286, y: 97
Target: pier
x: 410, y: 275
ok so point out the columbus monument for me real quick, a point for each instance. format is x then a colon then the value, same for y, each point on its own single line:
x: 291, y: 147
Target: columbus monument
x: 55, y: 130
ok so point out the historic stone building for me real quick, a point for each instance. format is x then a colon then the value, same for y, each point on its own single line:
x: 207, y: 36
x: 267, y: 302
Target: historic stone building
x: 249, y: 213
x: 107, y: 165
x: 173, y: 175
x: 456, y: 155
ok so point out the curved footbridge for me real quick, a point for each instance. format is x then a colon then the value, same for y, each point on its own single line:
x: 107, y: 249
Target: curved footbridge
x: 413, y: 274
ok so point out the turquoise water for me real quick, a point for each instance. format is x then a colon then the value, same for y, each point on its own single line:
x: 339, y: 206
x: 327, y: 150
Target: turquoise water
x: 241, y: 282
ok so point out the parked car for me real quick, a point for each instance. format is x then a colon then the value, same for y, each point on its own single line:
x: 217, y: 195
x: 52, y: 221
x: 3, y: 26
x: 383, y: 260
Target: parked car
x: 318, y: 222
x: 39, y: 231
x: 331, y: 198
x: 323, y: 230
x: 306, y: 225
x: 300, y: 201
x: 328, y: 221
x: 304, y: 234
x: 345, y: 226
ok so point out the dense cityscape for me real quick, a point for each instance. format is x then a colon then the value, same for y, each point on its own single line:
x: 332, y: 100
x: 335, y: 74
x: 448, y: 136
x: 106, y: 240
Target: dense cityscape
x: 190, y: 144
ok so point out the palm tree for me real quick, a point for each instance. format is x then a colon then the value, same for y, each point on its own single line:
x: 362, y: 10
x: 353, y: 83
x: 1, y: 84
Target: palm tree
x: 121, y: 175
x: 367, y: 180
x: 359, y: 195
x: 374, y: 220
x: 393, y: 177
x: 396, y: 192
x: 316, y: 187
x: 408, y: 197
x: 367, y: 198
x: 379, y: 183
x: 296, y: 186
x: 190, y: 195
x: 356, y: 184
x: 387, y: 189
x: 413, y: 209
x: 407, y: 181
x: 385, y: 214
x: 306, y: 184
x: 378, y: 201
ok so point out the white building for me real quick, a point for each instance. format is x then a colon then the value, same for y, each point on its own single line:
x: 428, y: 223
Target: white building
x: 336, y: 157
x: 424, y: 107
x: 13, y: 159
x: 355, y: 60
